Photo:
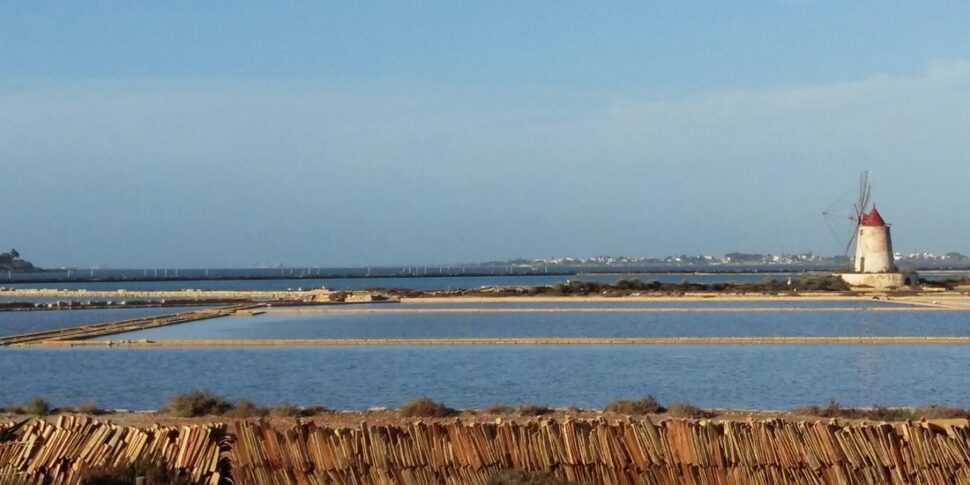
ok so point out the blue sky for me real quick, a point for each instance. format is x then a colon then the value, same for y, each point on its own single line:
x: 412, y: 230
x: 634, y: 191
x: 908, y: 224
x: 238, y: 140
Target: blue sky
x: 323, y: 133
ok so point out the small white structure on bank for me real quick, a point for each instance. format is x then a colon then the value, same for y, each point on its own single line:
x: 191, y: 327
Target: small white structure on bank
x: 874, y: 265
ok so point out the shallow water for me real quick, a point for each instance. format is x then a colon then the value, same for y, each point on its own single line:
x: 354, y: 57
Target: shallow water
x: 17, y: 322
x: 566, y: 324
x: 746, y: 376
x: 739, y: 376
x: 55, y: 299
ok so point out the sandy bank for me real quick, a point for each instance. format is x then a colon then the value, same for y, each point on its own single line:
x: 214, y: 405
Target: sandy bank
x: 880, y: 340
x: 939, y: 300
x: 405, y: 310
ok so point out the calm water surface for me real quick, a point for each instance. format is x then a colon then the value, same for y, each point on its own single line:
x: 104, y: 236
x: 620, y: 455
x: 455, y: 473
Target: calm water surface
x: 55, y: 299
x: 587, y: 324
x: 747, y: 376
x: 743, y: 376
x: 17, y: 322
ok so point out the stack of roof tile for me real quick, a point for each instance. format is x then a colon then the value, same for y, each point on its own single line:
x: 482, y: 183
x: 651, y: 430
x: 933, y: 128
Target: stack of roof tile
x: 60, y: 452
x: 628, y: 452
x: 453, y: 452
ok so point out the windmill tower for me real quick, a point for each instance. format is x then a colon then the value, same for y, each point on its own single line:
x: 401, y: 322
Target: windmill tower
x: 874, y: 245
x: 874, y: 265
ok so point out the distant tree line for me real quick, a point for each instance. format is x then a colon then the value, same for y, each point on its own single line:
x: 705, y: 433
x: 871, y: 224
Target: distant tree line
x: 626, y: 287
x: 768, y: 285
x: 745, y: 257
x: 11, y: 261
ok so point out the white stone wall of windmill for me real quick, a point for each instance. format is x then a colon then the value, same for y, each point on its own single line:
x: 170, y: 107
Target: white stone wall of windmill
x: 874, y: 265
x: 874, y: 245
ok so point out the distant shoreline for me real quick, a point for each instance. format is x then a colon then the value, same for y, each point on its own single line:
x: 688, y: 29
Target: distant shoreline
x: 346, y: 276
x: 38, y: 277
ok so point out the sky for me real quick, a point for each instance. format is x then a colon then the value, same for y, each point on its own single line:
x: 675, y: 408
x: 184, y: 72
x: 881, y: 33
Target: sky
x: 233, y: 134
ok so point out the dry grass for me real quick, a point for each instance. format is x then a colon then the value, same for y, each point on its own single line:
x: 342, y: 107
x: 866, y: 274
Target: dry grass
x: 940, y: 412
x: 879, y: 413
x: 647, y: 405
x: 424, y: 407
x: 285, y: 410
x: 246, y: 409
x: 37, y: 407
x: 834, y: 410
x: 40, y: 407
x: 499, y: 408
x: 831, y: 410
x: 90, y: 408
x: 534, y: 410
x: 687, y: 410
x: 316, y: 410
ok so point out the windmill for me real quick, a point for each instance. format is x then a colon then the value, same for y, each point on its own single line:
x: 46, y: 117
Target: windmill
x: 874, y: 264
x: 854, y: 217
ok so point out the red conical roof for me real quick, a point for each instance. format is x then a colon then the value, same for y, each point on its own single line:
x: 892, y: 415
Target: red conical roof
x: 872, y: 218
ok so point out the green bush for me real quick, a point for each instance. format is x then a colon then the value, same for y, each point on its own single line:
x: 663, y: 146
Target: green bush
x: 196, y: 403
x: 647, y: 405
x: 426, y: 408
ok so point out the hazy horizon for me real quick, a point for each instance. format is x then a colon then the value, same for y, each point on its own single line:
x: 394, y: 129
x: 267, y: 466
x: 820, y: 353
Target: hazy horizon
x: 199, y: 135
x: 418, y: 266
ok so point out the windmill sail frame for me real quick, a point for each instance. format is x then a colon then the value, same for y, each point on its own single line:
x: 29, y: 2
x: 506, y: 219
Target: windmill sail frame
x: 865, y: 196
